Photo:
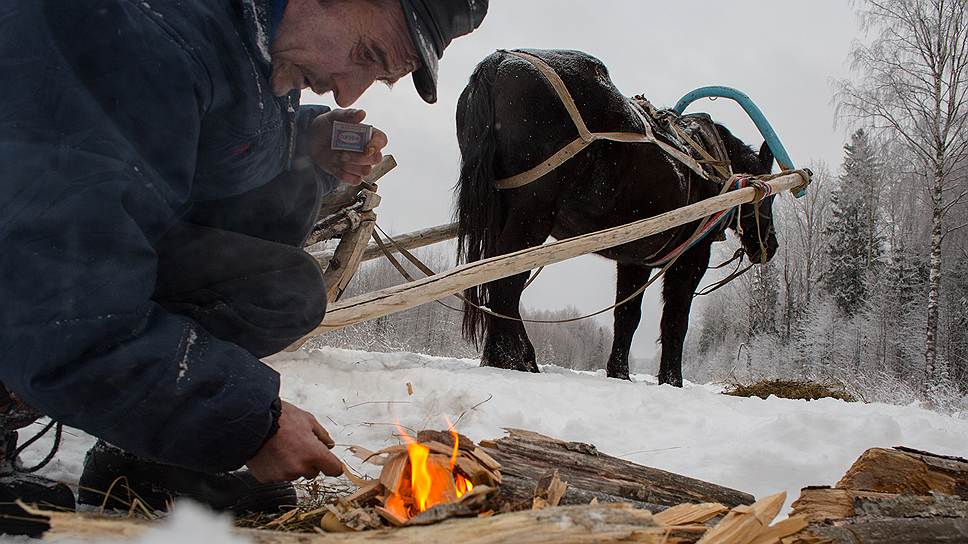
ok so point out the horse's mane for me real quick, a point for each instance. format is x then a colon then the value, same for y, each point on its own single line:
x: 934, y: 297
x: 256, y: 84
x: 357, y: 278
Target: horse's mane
x: 744, y: 158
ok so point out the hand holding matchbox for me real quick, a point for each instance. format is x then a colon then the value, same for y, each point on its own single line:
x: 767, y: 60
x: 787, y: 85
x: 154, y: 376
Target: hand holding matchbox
x: 342, y: 146
x: 351, y: 136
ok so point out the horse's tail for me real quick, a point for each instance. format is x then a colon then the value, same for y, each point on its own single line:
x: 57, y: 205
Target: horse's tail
x: 479, y: 214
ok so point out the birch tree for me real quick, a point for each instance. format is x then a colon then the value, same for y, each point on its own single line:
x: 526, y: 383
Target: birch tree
x: 914, y: 86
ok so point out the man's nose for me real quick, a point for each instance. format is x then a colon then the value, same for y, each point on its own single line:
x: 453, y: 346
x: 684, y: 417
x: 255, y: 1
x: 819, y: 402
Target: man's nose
x: 347, y: 89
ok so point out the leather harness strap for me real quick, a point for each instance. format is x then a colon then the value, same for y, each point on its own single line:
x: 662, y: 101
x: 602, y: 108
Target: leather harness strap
x: 585, y: 136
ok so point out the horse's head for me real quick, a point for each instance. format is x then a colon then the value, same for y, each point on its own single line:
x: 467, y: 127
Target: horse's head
x: 755, y: 230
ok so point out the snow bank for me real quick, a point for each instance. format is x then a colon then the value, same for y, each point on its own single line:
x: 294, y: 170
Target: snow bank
x: 758, y: 446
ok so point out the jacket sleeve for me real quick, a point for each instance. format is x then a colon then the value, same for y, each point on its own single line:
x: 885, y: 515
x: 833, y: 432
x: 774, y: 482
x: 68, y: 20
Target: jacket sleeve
x: 98, y: 135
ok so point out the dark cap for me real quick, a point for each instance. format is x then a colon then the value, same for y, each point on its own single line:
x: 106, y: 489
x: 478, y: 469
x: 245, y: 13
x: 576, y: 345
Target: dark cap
x: 433, y: 25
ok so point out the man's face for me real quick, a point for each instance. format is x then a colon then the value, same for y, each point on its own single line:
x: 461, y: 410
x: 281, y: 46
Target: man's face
x: 341, y: 46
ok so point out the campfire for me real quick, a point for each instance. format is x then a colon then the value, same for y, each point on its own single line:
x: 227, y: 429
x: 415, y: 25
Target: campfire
x: 424, y: 477
x: 438, y: 474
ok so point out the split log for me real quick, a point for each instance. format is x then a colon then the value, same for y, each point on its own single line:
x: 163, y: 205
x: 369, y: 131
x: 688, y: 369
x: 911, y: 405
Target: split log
x: 821, y: 504
x: 527, y: 457
x: 584, y: 524
x: 907, y: 471
x: 889, y: 495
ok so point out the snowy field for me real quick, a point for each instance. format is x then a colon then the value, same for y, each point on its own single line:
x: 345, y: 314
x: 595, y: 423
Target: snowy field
x: 758, y: 446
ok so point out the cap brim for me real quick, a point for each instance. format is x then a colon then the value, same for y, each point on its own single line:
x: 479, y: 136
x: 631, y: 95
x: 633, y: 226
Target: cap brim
x: 425, y: 77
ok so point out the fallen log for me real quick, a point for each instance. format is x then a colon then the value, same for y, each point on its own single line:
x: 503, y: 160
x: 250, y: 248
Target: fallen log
x: 527, y: 457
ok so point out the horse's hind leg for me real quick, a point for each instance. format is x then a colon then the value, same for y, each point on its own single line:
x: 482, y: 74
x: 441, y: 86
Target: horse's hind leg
x: 678, y: 287
x: 630, y: 278
x: 506, y: 344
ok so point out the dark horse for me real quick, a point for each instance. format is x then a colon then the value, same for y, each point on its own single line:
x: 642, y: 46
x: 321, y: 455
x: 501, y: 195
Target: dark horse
x: 509, y: 119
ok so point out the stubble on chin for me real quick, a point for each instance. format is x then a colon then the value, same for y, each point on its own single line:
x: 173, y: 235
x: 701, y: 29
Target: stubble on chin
x: 284, y: 75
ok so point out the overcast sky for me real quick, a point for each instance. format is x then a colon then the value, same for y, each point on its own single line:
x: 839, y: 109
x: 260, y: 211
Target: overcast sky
x: 783, y: 53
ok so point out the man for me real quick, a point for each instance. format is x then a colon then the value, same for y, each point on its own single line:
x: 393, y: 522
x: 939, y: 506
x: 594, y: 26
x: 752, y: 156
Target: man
x: 158, y: 179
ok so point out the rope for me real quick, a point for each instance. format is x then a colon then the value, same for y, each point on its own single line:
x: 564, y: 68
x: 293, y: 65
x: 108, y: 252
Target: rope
x: 429, y: 272
x: 710, y: 289
x: 53, y: 450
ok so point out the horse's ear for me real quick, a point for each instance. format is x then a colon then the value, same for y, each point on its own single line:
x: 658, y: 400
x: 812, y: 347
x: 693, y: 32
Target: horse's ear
x: 766, y: 158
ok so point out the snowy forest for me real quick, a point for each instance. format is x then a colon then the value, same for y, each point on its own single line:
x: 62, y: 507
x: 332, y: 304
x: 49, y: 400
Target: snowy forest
x: 869, y: 290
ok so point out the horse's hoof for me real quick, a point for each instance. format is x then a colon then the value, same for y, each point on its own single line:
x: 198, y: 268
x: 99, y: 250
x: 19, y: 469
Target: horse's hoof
x: 620, y: 376
x: 674, y: 382
x: 520, y: 367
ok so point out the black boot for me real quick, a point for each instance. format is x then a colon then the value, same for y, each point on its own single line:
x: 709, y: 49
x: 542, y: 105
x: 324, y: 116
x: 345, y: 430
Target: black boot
x: 114, y: 478
x: 15, y: 484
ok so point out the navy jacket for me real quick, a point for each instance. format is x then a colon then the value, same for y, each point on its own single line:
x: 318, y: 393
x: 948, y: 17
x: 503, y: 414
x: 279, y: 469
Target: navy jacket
x: 117, y: 119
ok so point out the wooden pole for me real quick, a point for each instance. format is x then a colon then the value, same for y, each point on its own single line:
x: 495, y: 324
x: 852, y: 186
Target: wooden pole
x: 410, y: 241
x: 410, y: 295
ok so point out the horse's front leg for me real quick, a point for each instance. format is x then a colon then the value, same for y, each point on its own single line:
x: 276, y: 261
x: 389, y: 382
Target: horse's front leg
x: 678, y: 287
x: 506, y: 343
x: 630, y: 277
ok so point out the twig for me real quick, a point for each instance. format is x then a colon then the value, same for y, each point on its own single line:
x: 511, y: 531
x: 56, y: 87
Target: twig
x: 651, y: 451
x: 374, y: 424
x: 377, y: 402
x: 471, y: 409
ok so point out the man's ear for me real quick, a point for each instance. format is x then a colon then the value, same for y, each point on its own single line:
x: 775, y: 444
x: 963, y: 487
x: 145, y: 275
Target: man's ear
x: 766, y: 157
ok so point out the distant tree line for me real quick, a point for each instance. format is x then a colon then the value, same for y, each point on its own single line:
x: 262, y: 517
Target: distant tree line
x: 845, y: 299
x: 871, y: 284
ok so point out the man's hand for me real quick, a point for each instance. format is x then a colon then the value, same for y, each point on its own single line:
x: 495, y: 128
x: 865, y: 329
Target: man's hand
x: 349, y: 167
x: 300, y: 448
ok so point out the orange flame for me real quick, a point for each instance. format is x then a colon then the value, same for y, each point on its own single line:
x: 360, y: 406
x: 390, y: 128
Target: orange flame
x: 420, y: 481
x: 462, y: 484
x: 431, y: 482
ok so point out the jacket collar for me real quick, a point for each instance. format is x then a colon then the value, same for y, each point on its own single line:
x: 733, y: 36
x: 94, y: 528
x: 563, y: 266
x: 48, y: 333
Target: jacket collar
x: 262, y: 18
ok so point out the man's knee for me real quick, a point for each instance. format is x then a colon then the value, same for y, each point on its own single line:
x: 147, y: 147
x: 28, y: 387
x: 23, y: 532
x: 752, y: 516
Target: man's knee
x: 309, y: 309
x: 259, y: 294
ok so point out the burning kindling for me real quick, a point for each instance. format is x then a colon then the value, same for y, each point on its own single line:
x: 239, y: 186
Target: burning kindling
x: 431, y: 477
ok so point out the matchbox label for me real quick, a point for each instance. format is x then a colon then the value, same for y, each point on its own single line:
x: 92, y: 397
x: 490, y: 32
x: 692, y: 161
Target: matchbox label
x: 351, y: 137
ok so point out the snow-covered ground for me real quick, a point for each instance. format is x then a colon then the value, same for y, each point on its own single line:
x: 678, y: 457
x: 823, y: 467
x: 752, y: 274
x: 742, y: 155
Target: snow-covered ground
x: 758, y: 446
